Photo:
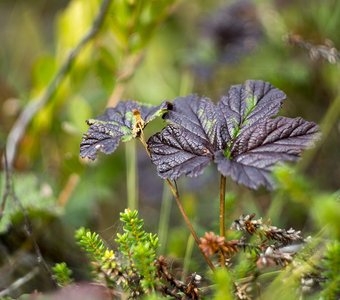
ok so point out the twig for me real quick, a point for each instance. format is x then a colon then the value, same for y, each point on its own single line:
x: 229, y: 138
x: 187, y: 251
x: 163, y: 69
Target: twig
x: 7, y: 190
x: 18, y: 283
x: 33, y: 107
x: 190, y: 289
x: 27, y: 222
x: 327, y: 51
x: 175, y: 193
x: 67, y: 191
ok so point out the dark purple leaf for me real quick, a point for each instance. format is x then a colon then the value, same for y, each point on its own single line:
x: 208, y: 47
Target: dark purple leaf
x: 99, y: 137
x: 177, y: 151
x: 196, y: 114
x: 240, y: 132
x: 123, y: 122
x: 245, y: 104
x: 259, y: 147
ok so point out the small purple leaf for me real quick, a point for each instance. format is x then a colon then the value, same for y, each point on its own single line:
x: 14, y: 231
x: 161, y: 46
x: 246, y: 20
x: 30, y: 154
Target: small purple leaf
x: 246, y: 104
x: 252, y: 177
x: 123, y: 122
x: 176, y: 151
x: 100, y: 137
x: 196, y: 114
x: 259, y: 147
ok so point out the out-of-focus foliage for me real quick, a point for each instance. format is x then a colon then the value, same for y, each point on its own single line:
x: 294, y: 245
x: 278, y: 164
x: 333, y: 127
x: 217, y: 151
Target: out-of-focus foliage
x: 331, y: 263
x: 223, y: 285
x: 36, y: 197
x: 62, y: 274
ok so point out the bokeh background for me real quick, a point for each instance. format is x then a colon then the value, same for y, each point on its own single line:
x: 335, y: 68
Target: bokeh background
x: 151, y: 53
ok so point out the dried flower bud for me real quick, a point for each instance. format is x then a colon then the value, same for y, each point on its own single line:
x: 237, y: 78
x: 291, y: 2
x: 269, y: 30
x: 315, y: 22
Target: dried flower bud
x: 247, y: 224
x: 211, y: 243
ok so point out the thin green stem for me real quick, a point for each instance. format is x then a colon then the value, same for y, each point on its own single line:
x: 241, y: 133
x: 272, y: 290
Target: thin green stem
x: 132, y: 175
x: 222, y: 205
x: 187, y: 257
x: 222, y: 214
x: 164, y: 219
x: 326, y: 125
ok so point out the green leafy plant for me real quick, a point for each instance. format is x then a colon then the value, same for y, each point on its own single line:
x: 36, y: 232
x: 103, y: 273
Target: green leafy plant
x: 133, y: 268
x: 62, y: 274
x: 139, y: 248
x: 257, y: 261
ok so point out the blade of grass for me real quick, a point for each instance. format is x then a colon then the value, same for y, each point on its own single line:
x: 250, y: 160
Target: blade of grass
x: 131, y: 175
x: 327, y: 124
x: 222, y: 214
x: 164, y: 219
x: 188, y: 253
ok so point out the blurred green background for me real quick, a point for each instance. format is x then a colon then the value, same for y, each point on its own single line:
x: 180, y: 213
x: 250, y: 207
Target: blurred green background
x: 152, y: 51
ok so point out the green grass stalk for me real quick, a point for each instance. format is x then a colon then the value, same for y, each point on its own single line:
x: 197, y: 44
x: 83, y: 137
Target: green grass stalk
x: 164, y: 219
x: 131, y: 175
x: 222, y: 214
x: 187, y: 258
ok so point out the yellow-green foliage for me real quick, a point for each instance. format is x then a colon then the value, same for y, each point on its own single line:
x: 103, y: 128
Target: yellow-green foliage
x: 134, y: 259
x: 62, y: 274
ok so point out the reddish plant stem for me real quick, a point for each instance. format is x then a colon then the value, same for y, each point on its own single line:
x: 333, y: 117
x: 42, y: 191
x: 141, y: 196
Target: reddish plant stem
x: 175, y: 193
x: 187, y: 221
